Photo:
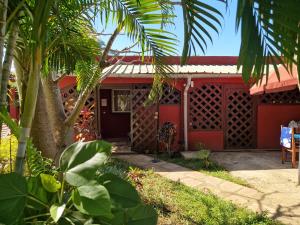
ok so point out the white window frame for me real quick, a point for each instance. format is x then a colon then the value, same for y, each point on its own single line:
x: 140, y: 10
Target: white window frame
x: 113, y: 102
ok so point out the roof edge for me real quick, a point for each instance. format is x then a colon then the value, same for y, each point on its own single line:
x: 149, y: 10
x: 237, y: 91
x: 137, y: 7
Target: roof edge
x: 175, y: 60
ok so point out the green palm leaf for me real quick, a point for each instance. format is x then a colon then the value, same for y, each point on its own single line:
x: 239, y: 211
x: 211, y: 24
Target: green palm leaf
x: 270, y: 32
x: 200, y: 19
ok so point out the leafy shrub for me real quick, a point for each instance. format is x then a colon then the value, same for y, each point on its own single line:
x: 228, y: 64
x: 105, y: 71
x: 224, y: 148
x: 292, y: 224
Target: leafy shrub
x: 75, y: 195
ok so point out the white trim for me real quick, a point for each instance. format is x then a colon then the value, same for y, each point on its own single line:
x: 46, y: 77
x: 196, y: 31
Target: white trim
x: 113, y: 102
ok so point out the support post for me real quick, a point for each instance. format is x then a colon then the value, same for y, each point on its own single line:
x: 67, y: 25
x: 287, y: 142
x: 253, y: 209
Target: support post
x: 185, y: 112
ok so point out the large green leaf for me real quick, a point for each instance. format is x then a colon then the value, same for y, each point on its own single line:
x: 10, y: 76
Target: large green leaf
x: 56, y: 211
x: 50, y: 183
x: 80, y: 161
x: 142, y: 214
x: 122, y: 193
x: 138, y: 215
x: 35, y: 188
x: 13, y: 192
x: 92, y: 199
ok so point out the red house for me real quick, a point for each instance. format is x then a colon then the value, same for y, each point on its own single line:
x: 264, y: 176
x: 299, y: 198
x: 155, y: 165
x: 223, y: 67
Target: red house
x: 206, y: 99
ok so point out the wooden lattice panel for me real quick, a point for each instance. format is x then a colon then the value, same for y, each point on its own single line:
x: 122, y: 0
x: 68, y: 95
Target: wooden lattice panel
x: 285, y: 97
x: 69, y: 97
x: 206, y: 107
x: 240, y: 119
x: 170, y: 96
x: 143, y: 122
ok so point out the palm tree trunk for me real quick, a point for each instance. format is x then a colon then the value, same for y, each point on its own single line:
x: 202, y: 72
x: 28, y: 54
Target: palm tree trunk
x: 29, y: 108
x: 11, y: 45
x: 3, y: 15
x: 42, y: 133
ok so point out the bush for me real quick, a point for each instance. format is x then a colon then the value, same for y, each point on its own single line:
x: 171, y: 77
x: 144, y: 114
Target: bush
x: 74, y: 194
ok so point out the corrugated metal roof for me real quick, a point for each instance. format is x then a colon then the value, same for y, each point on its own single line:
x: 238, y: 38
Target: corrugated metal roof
x: 179, y: 71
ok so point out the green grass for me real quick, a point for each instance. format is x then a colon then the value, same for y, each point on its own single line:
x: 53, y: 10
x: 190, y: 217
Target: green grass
x: 8, y: 148
x: 213, y: 169
x: 178, y: 204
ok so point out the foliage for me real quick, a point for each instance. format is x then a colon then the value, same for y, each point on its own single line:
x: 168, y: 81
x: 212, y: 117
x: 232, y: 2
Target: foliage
x: 204, y: 156
x: 179, y: 204
x: 8, y: 147
x: 11, y: 123
x: 166, y: 136
x: 199, y: 146
x: 84, y: 127
x: 75, y: 195
x: 199, y: 19
x: 36, y: 163
x: 270, y: 35
x: 212, y: 169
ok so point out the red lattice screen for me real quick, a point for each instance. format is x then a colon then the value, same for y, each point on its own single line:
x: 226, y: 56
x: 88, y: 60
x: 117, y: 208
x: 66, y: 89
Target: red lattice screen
x: 143, y: 122
x: 240, y: 119
x: 285, y: 97
x: 206, y: 107
x: 170, y: 96
x: 85, y: 127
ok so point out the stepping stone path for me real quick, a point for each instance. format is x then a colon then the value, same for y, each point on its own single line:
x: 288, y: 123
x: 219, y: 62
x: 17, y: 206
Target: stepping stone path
x: 243, y: 196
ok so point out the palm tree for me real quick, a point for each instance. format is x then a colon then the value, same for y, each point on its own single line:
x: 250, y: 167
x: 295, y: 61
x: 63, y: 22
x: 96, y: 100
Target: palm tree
x: 131, y: 17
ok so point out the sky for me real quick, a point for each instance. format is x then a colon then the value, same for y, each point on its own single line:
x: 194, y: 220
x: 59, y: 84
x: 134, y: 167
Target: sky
x: 227, y: 43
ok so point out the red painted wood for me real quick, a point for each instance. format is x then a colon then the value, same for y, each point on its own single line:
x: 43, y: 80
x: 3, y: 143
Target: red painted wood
x: 67, y: 81
x: 13, y: 109
x: 171, y: 113
x: 113, y: 125
x: 213, y: 140
x: 270, y: 117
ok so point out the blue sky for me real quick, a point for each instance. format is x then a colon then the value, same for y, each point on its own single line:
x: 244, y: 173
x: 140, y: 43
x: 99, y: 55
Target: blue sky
x: 227, y: 43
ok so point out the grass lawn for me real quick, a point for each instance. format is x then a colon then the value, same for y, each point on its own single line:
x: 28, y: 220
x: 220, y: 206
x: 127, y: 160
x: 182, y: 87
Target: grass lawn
x: 178, y: 204
x: 213, y: 169
x: 8, y: 146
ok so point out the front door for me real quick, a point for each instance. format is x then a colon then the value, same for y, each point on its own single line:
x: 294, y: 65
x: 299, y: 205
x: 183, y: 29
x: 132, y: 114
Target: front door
x: 240, y: 119
x: 114, y: 114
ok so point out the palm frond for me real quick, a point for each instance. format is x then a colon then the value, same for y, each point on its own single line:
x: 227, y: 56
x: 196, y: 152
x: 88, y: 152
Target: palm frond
x: 270, y: 33
x: 143, y: 22
x: 200, y: 20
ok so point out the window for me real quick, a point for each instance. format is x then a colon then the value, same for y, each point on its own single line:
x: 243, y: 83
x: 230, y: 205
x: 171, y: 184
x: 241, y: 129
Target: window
x: 121, y: 101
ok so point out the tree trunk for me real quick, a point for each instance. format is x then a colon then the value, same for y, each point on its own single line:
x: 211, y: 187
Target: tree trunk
x: 11, y: 45
x: 55, y: 109
x: 3, y: 14
x: 29, y: 108
x: 42, y: 132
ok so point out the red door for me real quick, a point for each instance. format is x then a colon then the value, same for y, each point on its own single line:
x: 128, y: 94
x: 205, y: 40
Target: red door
x: 113, y: 125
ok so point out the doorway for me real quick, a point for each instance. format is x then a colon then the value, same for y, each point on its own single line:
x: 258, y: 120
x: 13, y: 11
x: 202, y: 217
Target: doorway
x: 115, y: 114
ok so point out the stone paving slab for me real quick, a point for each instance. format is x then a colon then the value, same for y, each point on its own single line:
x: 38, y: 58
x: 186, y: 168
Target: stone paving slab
x: 246, y: 197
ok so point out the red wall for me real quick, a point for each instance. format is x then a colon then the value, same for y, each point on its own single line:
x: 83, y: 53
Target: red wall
x: 213, y: 140
x: 269, y: 119
x: 13, y: 109
x: 67, y: 81
x: 171, y: 113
